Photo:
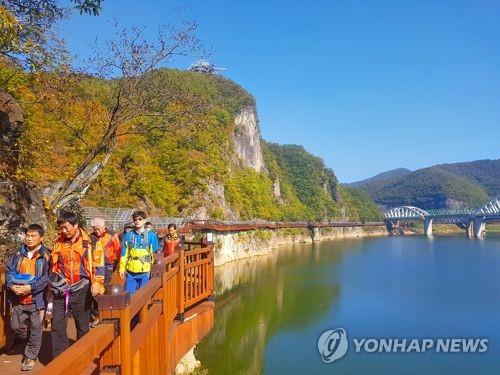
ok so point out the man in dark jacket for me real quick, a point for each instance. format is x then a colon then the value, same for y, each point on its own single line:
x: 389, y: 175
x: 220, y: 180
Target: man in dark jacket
x: 27, y: 277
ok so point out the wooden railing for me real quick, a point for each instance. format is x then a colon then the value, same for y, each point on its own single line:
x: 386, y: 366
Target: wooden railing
x: 199, y: 276
x: 138, y: 333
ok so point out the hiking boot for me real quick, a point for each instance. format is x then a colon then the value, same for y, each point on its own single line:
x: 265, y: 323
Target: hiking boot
x: 95, y: 323
x: 27, y: 364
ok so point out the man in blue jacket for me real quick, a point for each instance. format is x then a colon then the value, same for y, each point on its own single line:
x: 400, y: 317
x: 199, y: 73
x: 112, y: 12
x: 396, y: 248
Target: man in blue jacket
x: 27, y: 277
x: 138, y: 249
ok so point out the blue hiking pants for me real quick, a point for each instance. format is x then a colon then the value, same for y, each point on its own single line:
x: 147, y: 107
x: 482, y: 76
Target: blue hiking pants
x: 134, y: 281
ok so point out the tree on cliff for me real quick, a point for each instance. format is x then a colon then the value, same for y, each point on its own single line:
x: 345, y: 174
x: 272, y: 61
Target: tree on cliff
x: 93, y: 121
x: 136, y: 102
x: 115, y: 95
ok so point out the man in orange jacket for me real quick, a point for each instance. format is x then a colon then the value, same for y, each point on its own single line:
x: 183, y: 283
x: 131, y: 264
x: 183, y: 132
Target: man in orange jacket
x: 77, y: 275
x: 171, y: 240
x: 106, y: 240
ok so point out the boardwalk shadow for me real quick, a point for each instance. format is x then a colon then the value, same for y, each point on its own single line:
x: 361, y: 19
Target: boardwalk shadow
x: 45, y: 355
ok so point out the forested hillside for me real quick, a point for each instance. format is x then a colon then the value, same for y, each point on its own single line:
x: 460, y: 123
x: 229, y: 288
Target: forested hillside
x: 467, y: 184
x: 485, y: 173
x: 169, y: 170
x: 381, y: 178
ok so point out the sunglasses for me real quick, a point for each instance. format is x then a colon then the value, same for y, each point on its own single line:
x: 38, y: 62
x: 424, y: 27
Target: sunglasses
x: 138, y: 219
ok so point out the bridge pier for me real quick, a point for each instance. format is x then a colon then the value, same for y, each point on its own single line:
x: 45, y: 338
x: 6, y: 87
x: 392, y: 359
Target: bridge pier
x: 315, y: 233
x: 469, y: 229
x: 479, y: 226
x: 391, y: 226
x: 428, y: 227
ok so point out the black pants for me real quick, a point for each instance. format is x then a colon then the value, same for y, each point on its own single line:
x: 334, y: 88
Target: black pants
x: 79, y: 303
x: 109, y: 269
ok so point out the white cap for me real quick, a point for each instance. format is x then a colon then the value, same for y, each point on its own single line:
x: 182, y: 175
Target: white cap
x: 98, y: 222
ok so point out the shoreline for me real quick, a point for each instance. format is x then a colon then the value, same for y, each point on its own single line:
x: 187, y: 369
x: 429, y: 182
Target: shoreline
x: 231, y: 246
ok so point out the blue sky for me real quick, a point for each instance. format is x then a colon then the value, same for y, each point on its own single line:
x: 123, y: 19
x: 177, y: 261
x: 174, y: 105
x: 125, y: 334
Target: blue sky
x: 367, y: 85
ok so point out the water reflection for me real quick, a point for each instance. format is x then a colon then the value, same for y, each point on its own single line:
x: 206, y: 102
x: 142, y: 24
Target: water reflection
x: 260, y: 297
x: 272, y: 309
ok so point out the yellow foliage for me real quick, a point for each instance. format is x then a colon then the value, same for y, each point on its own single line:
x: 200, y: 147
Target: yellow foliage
x: 9, y: 31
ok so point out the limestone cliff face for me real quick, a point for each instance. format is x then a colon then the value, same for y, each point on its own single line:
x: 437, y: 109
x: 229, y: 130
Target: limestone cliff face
x: 211, y: 204
x: 246, y: 138
x: 277, y: 189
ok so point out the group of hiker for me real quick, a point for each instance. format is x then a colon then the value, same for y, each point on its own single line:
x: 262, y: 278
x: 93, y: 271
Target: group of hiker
x: 69, y: 277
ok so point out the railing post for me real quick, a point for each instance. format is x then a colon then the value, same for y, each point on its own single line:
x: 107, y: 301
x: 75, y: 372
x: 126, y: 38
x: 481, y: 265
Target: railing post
x: 166, y: 324
x: 211, y: 273
x: 181, y: 286
x: 117, y: 307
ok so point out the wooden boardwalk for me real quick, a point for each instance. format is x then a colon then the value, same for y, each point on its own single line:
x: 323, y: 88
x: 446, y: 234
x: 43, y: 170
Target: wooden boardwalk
x: 11, y: 364
x: 146, y: 333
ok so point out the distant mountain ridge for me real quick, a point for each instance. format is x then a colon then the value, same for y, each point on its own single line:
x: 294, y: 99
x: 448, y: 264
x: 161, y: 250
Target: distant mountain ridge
x: 456, y: 185
x: 384, y: 176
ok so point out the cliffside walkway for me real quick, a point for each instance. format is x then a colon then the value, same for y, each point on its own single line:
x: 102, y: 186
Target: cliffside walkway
x: 175, y: 310
x: 235, y: 226
x: 117, y: 217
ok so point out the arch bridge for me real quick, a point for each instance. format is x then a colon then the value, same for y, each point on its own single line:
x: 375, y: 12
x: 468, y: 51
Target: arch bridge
x: 473, y: 220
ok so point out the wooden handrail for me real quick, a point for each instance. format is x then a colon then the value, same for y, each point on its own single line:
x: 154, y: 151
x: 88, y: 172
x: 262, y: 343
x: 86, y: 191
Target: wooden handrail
x: 201, y: 250
x: 197, y: 263
x: 141, y: 331
x: 78, y: 356
x: 144, y: 295
x: 171, y: 258
x: 227, y: 226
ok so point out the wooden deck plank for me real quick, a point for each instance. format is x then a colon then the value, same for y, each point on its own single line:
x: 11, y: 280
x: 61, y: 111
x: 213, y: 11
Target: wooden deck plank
x: 11, y: 364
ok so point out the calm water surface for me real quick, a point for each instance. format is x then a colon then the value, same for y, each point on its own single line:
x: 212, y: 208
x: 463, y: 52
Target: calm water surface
x: 272, y: 309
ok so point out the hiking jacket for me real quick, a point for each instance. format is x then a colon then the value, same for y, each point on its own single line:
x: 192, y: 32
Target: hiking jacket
x: 75, y: 260
x: 37, y: 266
x: 137, y: 251
x: 169, y: 244
x: 109, y: 244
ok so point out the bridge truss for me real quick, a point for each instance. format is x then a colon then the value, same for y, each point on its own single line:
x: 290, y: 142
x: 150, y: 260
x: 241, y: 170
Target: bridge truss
x: 489, y: 212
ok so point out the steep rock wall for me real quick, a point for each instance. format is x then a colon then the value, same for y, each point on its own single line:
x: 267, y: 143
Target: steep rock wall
x: 246, y: 138
x: 211, y: 204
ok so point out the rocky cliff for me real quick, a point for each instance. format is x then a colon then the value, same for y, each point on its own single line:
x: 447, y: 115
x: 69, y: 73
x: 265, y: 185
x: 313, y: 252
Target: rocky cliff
x: 246, y: 138
x: 20, y: 203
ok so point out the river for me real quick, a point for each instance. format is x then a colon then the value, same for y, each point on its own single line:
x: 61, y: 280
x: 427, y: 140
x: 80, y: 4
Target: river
x: 271, y: 310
